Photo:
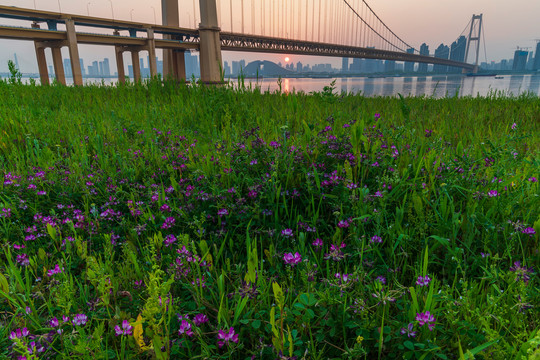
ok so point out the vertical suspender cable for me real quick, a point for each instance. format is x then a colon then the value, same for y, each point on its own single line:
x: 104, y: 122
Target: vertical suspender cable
x: 230, y: 8
x: 319, y: 23
x: 300, y: 19
x: 312, y: 21
x: 307, y: 11
x: 242, y: 12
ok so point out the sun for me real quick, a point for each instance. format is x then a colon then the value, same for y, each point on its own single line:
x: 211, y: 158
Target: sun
x: 287, y: 59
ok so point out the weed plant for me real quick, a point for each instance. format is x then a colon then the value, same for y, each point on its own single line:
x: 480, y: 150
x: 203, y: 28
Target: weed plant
x: 171, y: 221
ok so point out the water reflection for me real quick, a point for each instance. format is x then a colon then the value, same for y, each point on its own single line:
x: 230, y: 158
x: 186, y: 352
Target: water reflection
x: 454, y: 85
x: 420, y: 86
x: 438, y: 86
x: 344, y: 85
x: 369, y: 87
x: 534, y: 83
x: 432, y: 86
x: 408, y: 86
x: 515, y: 84
x: 388, y: 87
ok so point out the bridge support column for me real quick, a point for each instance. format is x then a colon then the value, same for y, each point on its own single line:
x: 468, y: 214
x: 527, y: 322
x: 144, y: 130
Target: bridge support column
x: 58, y: 65
x: 152, y: 53
x: 136, y: 65
x: 42, y: 63
x: 170, y: 17
x: 210, y: 43
x: 73, y: 52
x: 120, y: 64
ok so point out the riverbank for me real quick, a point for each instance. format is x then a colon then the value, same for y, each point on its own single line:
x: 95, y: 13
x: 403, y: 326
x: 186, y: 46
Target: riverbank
x: 175, y: 221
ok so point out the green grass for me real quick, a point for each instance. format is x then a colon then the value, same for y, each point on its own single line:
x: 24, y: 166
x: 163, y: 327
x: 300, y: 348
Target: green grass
x: 303, y: 221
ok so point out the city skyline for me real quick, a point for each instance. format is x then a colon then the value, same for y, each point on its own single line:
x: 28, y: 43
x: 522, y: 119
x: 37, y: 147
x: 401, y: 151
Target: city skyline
x: 501, y: 41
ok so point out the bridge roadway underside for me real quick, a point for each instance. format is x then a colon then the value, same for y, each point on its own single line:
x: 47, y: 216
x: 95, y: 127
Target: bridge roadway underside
x: 16, y: 33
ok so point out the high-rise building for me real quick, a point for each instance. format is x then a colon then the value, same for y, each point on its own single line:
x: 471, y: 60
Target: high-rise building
x: 424, y: 50
x: 520, y: 60
x: 356, y: 66
x: 67, y: 68
x: 442, y: 52
x: 299, y: 66
x: 344, y: 65
x: 389, y: 66
x: 457, y: 52
x: 536, y: 64
x: 106, y: 67
x: 409, y: 65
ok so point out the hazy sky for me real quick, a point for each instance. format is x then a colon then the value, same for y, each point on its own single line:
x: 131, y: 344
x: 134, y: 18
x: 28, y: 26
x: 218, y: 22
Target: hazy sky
x: 507, y: 23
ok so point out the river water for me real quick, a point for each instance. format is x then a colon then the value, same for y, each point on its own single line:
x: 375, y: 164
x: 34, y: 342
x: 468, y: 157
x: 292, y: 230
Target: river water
x: 431, y: 86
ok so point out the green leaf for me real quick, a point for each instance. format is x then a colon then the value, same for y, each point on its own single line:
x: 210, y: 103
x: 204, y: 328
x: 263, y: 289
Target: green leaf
x: 470, y: 353
x: 409, y: 345
x: 256, y: 324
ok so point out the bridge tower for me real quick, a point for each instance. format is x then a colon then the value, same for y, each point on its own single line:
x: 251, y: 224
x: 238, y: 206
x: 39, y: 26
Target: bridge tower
x: 475, y: 33
x: 210, y: 43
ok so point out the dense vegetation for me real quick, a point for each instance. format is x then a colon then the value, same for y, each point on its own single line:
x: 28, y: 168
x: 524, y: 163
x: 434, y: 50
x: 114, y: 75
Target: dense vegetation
x: 174, y: 221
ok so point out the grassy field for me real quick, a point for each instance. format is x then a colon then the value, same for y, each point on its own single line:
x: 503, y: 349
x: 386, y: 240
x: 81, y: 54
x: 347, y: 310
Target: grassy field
x: 161, y: 221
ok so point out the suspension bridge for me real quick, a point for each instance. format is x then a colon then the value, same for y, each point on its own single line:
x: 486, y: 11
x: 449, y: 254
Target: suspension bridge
x: 339, y: 28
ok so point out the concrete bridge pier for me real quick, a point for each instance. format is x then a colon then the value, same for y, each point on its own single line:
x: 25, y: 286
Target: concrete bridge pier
x: 136, y: 65
x: 42, y: 63
x: 58, y: 64
x: 151, y: 47
x: 210, y: 43
x: 174, y: 64
x: 73, y: 52
x: 119, y: 51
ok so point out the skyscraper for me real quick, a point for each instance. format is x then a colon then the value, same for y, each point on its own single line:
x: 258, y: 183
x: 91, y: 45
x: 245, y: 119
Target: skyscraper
x: 520, y: 60
x: 409, y: 65
x: 344, y: 65
x: 457, y: 52
x: 67, y: 67
x: 389, y: 66
x: 441, y: 52
x: 424, y: 50
x: 536, y: 64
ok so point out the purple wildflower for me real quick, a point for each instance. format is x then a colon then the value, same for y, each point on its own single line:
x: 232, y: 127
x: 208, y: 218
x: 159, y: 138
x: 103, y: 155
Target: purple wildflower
x: 226, y: 337
x: 522, y: 273
x: 493, y: 193
x: 223, y: 212
x: 53, y: 322
x: 19, y: 333
x: 287, y: 233
x: 55, y: 271
x: 169, y: 223
x: 381, y: 279
x: 529, y: 231
x: 185, y: 328
x: 426, y: 318
x: 408, y: 331
x: 375, y: 239
x: 80, y: 319
x: 200, y: 319
x: 343, y: 224
x: 124, y: 330
x: 423, y: 280
x: 317, y: 243
x: 291, y: 259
